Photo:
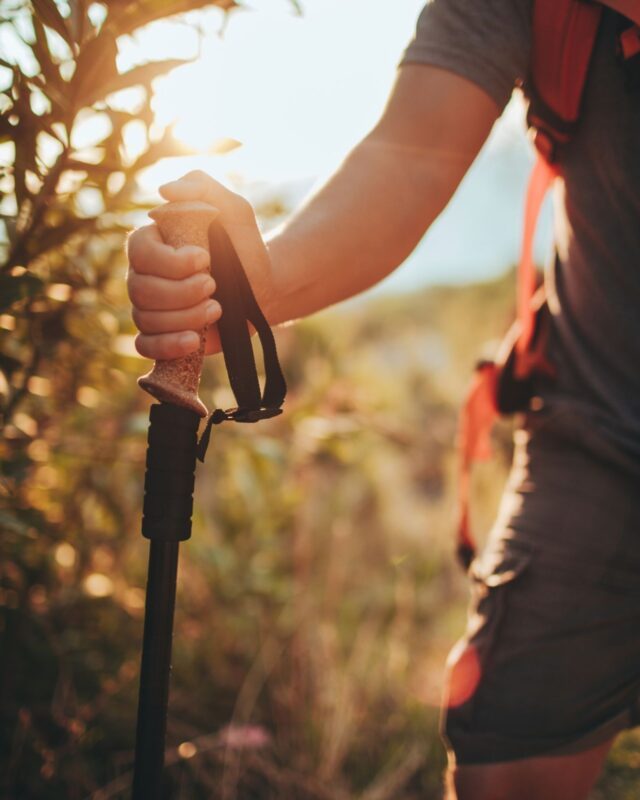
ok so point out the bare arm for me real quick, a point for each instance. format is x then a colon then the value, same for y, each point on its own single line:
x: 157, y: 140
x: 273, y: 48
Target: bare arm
x: 359, y: 227
x: 375, y: 209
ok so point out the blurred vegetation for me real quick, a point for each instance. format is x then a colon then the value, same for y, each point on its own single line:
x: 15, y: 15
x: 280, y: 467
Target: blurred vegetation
x: 318, y: 596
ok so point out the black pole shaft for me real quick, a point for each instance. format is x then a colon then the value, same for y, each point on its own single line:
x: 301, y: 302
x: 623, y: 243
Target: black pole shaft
x: 155, y: 671
x: 166, y: 521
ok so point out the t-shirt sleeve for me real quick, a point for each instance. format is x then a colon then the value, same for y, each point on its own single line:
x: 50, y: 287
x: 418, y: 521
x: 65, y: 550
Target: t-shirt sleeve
x: 485, y: 41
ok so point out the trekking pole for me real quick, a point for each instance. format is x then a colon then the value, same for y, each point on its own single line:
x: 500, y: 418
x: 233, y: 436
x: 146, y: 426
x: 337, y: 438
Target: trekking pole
x: 173, y: 447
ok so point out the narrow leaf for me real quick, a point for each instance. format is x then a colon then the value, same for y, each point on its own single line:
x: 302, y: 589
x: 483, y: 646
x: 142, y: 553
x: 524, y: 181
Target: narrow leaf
x: 48, y: 12
x: 40, y: 49
x: 95, y: 65
x: 144, y: 74
x: 128, y: 17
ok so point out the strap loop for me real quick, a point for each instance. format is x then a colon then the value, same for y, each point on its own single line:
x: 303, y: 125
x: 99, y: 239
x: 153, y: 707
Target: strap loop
x: 239, y: 308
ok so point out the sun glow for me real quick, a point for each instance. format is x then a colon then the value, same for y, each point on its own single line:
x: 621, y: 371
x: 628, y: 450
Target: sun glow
x: 296, y: 91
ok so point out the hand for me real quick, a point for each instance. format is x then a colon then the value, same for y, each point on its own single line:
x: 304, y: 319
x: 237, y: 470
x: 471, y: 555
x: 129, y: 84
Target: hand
x: 171, y: 290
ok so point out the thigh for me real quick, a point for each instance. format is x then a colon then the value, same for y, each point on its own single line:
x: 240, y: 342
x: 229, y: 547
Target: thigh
x: 543, y: 778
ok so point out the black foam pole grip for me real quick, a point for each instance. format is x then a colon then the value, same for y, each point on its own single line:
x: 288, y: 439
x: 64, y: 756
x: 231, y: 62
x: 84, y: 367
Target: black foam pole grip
x: 170, y: 475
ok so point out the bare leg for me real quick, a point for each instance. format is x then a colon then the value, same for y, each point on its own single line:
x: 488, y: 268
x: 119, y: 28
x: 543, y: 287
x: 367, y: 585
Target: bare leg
x: 542, y: 778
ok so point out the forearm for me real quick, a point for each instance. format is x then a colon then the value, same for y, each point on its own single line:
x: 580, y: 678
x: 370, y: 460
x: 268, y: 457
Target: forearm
x: 361, y: 225
x: 375, y: 209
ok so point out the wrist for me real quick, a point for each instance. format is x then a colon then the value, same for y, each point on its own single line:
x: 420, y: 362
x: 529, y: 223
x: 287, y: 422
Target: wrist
x: 278, y: 292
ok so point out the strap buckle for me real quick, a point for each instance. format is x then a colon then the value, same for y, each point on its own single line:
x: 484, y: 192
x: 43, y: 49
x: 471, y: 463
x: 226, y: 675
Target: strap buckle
x: 220, y: 415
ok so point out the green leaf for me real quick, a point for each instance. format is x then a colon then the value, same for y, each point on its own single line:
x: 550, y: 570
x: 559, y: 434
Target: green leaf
x: 144, y: 74
x: 128, y: 17
x: 79, y: 21
x: 40, y: 49
x: 94, y: 84
x: 222, y: 146
x: 14, y: 288
x: 166, y: 147
x: 48, y: 12
x: 95, y: 66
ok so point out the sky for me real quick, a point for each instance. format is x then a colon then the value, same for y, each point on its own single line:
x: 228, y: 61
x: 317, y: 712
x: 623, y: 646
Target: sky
x: 298, y: 91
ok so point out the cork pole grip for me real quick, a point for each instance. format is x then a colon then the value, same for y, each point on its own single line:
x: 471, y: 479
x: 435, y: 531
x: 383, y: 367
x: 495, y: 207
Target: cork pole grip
x: 176, y: 381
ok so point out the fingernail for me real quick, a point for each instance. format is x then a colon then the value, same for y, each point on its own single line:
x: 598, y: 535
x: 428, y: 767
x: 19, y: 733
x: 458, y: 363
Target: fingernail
x: 202, y: 262
x: 212, y: 311
x: 208, y: 284
x: 189, y: 339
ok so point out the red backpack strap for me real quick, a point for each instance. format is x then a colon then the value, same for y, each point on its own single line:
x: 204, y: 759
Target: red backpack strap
x: 540, y: 181
x: 478, y: 414
x: 564, y: 34
x: 480, y: 408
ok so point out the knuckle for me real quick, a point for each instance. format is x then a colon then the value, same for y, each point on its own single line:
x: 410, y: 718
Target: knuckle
x: 136, y: 250
x: 242, y: 206
x: 133, y: 287
x: 132, y: 239
x: 196, y: 290
x: 155, y: 347
x: 163, y: 347
x: 142, y: 346
x: 201, y: 317
x: 141, y: 320
x: 139, y: 292
x: 191, y: 258
x: 198, y: 176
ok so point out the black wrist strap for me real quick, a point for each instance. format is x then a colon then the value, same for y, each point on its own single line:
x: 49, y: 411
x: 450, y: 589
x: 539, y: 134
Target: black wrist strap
x: 239, y: 308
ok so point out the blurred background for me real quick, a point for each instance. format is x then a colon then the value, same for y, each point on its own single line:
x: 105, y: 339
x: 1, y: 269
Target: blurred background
x: 319, y: 596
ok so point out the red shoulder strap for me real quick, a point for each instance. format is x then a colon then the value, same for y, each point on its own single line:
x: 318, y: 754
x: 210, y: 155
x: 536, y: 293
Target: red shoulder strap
x: 564, y: 33
x: 480, y: 410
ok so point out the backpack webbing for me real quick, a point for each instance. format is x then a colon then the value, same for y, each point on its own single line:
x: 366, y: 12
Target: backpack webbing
x: 564, y: 34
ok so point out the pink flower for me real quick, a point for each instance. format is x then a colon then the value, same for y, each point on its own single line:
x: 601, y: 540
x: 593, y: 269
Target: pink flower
x: 244, y: 737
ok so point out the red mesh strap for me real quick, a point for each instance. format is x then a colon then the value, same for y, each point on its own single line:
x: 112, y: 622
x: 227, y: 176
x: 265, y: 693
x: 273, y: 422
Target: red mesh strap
x: 541, y: 179
x: 563, y: 41
x: 480, y: 410
x: 477, y: 417
x: 564, y: 33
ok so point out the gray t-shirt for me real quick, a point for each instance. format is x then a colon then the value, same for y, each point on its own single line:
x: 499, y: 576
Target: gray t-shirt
x: 594, y: 285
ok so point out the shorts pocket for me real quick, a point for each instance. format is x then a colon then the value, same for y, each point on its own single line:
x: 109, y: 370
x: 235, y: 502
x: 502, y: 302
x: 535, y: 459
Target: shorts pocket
x: 500, y: 564
x: 494, y: 575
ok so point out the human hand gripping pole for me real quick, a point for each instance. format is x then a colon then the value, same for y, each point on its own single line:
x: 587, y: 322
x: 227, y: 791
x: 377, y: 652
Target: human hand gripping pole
x: 173, y: 447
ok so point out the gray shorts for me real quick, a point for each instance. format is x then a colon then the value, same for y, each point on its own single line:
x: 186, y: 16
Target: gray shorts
x: 550, y: 662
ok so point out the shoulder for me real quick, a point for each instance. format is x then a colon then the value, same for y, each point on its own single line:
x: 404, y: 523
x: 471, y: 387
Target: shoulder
x: 486, y: 41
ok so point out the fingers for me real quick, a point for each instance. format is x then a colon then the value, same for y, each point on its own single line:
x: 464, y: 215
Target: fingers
x: 149, y: 255
x: 167, y: 346
x: 197, y: 185
x: 189, y: 319
x: 149, y: 293
x: 170, y: 289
